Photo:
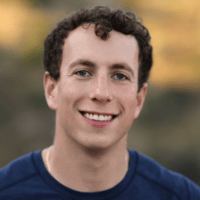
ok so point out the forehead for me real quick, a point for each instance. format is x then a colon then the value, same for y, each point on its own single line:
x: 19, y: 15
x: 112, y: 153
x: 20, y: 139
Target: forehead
x: 82, y: 43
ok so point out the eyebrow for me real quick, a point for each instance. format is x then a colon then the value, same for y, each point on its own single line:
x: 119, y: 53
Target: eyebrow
x: 91, y: 64
x: 82, y: 62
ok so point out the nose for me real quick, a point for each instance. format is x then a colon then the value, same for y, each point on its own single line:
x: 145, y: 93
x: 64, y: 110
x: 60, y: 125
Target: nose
x: 100, y: 90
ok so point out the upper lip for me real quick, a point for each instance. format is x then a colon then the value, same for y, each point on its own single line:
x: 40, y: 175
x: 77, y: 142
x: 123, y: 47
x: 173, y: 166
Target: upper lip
x: 98, y: 113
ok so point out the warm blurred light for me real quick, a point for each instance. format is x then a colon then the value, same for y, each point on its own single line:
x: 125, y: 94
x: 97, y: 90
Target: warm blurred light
x: 13, y: 18
x: 175, y: 30
x: 173, y: 25
x: 170, y: 5
x: 21, y: 26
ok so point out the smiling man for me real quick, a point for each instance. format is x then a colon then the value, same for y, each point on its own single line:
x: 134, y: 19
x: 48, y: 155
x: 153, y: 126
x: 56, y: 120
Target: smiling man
x: 97, y: 63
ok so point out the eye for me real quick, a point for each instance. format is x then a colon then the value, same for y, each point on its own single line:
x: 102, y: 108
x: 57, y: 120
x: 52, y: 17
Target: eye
x: 121, y: 76
x: 82, y: 73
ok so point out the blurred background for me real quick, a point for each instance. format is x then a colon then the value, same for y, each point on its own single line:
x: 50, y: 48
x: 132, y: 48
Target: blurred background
x: 168, y: 129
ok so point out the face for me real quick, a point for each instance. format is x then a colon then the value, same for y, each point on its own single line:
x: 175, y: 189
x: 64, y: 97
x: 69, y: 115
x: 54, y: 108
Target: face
x: 99, y: 77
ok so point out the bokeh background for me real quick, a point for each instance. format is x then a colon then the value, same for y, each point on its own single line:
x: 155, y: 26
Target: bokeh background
x: 168, y: 127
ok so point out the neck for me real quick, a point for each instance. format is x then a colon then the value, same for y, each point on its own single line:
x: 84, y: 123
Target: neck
x: 86, y: 170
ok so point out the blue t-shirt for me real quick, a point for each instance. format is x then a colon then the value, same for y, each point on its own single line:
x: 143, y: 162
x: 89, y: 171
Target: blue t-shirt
x: 27, y: 178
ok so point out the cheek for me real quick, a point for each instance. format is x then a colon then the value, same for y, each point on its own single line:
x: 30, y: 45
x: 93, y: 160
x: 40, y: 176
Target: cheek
x: 127, y: 97
x: 69, y: 93
x: 128, y: 101
x: 130, y: 104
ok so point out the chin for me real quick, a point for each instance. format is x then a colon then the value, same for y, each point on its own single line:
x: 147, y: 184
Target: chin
x: 98, y: 146
x: 95, y: 150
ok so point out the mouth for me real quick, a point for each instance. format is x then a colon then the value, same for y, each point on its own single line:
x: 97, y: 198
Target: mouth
x: 98, y: 116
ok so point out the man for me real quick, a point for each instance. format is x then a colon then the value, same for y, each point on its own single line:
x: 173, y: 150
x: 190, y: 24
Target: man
x: 97, y: 63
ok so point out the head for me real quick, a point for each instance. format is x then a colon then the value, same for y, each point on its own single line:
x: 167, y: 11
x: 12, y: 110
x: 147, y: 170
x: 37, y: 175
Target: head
x: 92, y: 61
x: 105, y: 21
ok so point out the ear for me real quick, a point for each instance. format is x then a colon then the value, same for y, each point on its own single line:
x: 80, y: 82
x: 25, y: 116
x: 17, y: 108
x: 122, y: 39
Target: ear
x: 140, y: 99
x: 50, y: 88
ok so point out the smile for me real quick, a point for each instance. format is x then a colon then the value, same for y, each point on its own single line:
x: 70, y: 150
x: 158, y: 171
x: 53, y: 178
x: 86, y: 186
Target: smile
x: 98, y: 117
x: 98, y: 120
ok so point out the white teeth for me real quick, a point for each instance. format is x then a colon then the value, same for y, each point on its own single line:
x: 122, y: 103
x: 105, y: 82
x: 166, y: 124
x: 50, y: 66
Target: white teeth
x: 87, y: 115
x: 109, y: 117
x: 98, y: 117
x: 91, y: 116
x: 101, y: 117
x: 95, y: 117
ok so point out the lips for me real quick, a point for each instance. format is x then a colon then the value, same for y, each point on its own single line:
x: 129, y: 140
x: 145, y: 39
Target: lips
x: 98, y: 113
x: 99, y: 124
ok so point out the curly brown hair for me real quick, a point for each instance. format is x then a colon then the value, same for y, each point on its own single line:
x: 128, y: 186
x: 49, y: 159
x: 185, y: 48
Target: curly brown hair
x: 105, y: 21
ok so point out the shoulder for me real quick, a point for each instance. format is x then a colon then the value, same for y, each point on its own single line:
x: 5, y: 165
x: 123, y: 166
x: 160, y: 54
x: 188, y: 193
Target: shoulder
x: 155, y: 174
x: 17, y: 171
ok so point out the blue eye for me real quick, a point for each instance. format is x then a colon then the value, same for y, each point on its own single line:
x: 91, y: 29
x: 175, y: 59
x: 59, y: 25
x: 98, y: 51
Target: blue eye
x: 82, y: 73
x: 86, y: 73
x: 120, y: 76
